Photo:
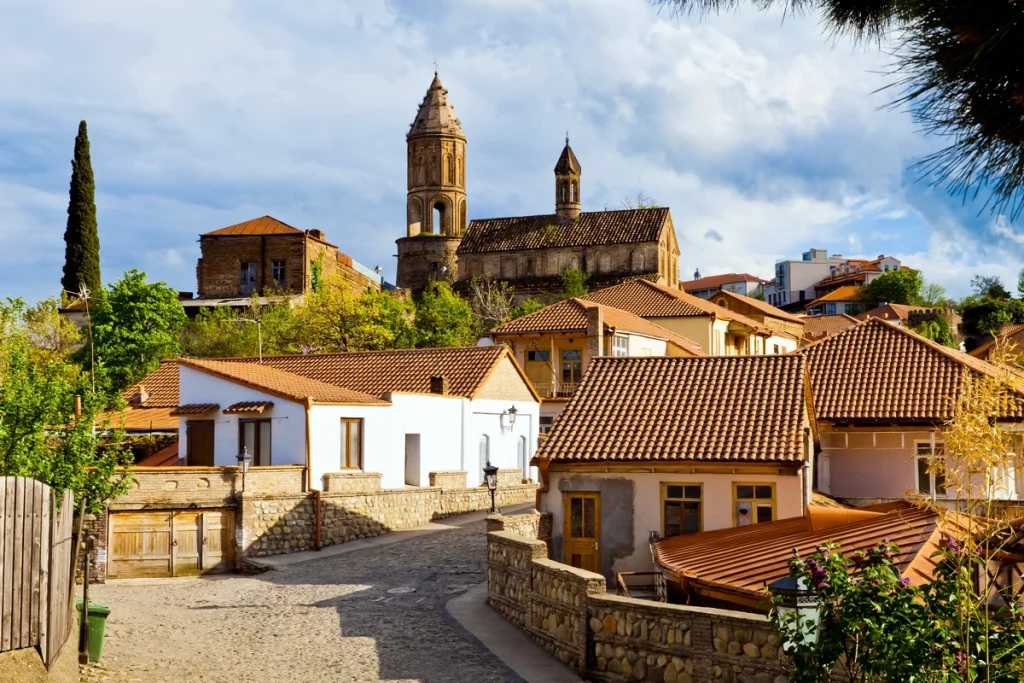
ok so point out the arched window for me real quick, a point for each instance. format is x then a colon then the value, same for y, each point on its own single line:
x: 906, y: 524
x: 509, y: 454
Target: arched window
x: 574, y: 192
x: 524, y: 462
x: 637, y: 261
x: 563, y: 192
x: 529, y: 267
x: 462, y: 216
x: 485, y: 453
x: 604, y: 263
x: 421, y: 172
x: 449, y: 165
x: 440, y: 217
x: 574, y: 263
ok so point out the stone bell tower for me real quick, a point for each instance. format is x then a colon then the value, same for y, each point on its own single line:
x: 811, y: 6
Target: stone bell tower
x: 436, y: 198
x: 567, y: 183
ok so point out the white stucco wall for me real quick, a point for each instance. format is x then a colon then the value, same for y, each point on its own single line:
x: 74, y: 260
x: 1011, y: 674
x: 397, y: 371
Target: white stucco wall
x: 786, y: 344
x: 482, y: 418
x: 325, y: 441
x: 638, y: 342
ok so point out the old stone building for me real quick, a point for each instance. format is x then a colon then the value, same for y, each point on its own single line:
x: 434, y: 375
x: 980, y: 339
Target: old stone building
x: 530, y: 252
x: 265, y: 255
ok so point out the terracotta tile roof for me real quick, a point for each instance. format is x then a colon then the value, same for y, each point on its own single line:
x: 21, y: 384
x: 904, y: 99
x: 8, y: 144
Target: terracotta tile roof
x: 650, y: 300
x: 877, y: 370
x: 706, y: 562
x: 248, y: 407
x: 265, y: 225
x: 407, y: 370
x: 570, y: 315
x: 195, y: 409
x: 519, y: 233
x: 1008, y: 332
x: 716, y: 281
x: 764, y: 308
x: 280, y: 382
x: 141, y: 419
x: 165, y: 457
x: 161, y: 385
x: 844, y: 293
x: 685, y: 409
x: 818, y: 326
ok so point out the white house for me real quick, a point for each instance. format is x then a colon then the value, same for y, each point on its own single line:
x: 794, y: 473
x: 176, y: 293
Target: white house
x: 401, y: 413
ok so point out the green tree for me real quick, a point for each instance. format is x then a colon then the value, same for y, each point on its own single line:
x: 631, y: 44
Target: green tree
x: 53, y: 336
x: 81, y: 237
x: 895, y: 287
x: 939, y: 331
x: 1020, y: 283
x: 443, y: 318
x: 574, y: 283
x: 335, y: 319
x: 989, y: 287
x: 932, y: 295
x: 135, y: 325
x: 956, y: 67
x: 526, y: 308
x: 40, y: 435
x: 220, y: 332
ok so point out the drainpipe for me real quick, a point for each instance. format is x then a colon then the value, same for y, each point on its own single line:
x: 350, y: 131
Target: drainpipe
x: 309, y: 482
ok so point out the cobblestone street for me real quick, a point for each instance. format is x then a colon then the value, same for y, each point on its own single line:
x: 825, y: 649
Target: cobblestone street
x: 376, y: 614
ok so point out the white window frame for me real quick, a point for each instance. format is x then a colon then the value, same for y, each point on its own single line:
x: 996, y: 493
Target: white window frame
x: 935, y: 449
x: 620, y: 346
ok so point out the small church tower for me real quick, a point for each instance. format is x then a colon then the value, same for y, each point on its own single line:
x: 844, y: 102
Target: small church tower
x: 436, y: 198
x: 567, y: 183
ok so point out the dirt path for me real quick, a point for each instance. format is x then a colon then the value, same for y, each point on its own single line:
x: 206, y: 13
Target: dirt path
x: 328, y: 620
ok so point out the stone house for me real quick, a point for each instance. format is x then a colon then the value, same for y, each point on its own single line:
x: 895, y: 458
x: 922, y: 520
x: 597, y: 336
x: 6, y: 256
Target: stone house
x: 556, y: 344
x: 881, y: 397
x: 657, y: 447
x: 398, y: 414
x: 787, y: 328
x: 719, y: 331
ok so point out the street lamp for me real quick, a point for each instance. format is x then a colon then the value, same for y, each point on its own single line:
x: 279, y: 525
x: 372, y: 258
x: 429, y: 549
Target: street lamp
x: 244, y: 460
x: 793, y: 597
x: 491, y: 479
x: 509, y: 417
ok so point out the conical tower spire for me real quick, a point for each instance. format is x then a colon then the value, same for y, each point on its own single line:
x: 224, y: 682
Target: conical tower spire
x: 436, y: 115
x: 567, y: 183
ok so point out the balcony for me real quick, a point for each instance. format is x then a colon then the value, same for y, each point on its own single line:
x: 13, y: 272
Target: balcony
x: 556, y: 390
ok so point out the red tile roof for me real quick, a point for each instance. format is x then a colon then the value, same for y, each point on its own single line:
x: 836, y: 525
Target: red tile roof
x: 819, y: 326
x: 844, y: 293
x: 280, y: 382
x: 760, y: 306
x: 685, y: 409
x: 248, y: 407
x: 590, y: 228
x: 195, y: 409
x: 161, y: 385
x: 716, y: 281
x: 265, y: 225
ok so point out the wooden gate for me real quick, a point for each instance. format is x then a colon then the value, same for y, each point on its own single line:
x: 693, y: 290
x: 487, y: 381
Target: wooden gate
x: 36, y: 577
x: 170, y: 543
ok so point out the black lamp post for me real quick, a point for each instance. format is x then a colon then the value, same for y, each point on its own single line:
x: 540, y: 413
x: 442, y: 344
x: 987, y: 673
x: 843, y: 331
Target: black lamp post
x: 491, y: 479
x: 244, y: 460
x: 794, y: 597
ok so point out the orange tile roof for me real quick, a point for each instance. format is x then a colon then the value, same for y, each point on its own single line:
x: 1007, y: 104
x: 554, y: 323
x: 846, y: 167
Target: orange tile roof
x: 707, y: 562
x: 280, y: 382
x: 818, y: 326
x: 685, y: 409
x: 195, y: 409
x: 248, y: 407
x: 140, y: 419
x: 1008, y: 332
x: 570, y: 315
x: 715, y: 281
x: 165, y: 457
x: 844, y: 293
x: 265, y: 225
x: 650, y: 300
x: 551, y: 230
x: 761, y: 306
x: 406, y: 370
x: 877, y: 370
x: 161, y: 385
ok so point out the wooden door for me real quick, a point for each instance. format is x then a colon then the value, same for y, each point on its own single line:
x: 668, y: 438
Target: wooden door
x: 200, y: 442
x: 140, y: 544
x: 217, y: 550
x: 583, y: 530
x: 185, y: 549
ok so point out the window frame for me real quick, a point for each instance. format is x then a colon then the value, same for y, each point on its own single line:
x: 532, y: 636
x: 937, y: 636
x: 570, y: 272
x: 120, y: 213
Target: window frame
x: 736, y: 500
x: 936, y: 449
x: 617, y: 340
x: 256, y: 439
x: 275, y: 266
x: 665, y: 498
x: 346, y: 435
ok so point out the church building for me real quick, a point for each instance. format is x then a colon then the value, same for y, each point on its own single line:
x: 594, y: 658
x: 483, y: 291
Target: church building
x: 529, y: 252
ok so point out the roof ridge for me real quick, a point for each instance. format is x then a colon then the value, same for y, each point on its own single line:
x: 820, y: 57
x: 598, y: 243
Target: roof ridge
x: 334, y: 354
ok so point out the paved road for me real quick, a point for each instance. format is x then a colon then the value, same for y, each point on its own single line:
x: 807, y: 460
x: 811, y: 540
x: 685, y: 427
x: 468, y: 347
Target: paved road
x: 376, y: 614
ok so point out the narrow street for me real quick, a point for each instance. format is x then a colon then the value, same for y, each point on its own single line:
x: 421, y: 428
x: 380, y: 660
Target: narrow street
x: 376, y: 614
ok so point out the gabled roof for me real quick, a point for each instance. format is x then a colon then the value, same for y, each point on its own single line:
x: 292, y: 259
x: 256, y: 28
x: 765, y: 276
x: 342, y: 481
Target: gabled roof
x: 762, y: 307
x: 265, y: 225
x: 281, y: 383
x: 685, y: 409
x: 818, y: 326
x: 877, y: 370
x: 716, y: 281
x: 570, y: 315
x: 436, y: 115
x: 161, y: 385
x: 844, y: 293
x: 590, y: 228
x: 650, y: 300
x: 466, y: 370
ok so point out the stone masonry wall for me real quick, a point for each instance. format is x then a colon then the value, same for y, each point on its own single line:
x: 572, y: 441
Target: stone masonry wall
x: 448, y: 480
x: 352, y: 482
x: 615, y: 639
x: 170, y: 487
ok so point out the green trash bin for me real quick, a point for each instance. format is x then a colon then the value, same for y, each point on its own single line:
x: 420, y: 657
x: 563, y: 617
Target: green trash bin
x: 97, y: 627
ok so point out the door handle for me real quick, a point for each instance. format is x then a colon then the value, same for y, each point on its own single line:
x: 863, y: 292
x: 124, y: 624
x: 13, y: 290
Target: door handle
x: 204, y: 540
x: 175, y: 543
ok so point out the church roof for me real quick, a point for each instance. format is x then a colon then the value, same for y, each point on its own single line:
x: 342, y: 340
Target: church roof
x: 590, y: 228
x: 436, y: 115
x: 567, y: 163
x: 265, y: 225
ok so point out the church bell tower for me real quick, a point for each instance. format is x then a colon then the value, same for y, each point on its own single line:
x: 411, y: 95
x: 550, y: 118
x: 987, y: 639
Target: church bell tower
x: 567, y: 183
x: 436, y: 197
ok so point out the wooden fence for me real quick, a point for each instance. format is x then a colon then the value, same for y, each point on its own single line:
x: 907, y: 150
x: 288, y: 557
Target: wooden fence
x: 36, y: 577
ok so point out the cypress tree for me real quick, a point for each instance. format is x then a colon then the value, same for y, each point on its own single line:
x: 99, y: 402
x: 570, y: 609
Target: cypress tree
x: 82, y: 240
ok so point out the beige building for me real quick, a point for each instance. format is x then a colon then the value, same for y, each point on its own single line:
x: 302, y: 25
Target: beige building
x: 787, y: 329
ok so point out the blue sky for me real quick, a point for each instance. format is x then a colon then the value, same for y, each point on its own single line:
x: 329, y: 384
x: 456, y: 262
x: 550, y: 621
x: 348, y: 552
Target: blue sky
x: 764, y: 137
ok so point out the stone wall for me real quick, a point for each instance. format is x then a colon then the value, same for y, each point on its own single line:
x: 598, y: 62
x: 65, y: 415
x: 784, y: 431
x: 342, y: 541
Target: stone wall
x: 351, y: 482
x: 615, y: 639
x: 448, y: 480
x: 171, y: 487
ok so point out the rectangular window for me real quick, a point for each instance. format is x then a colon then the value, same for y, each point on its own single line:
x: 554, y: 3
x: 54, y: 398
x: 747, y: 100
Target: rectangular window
x: 931, y: 483
x: 572, y: 366
x: 776, y: 348
x: 620, y: 346
x: 254, y: 437
x: 645, y: 352
x: 544, y: 356
x: 681, y: 509
x: 277, y: 272
x: 754, y: 503
x: 351, y: 443
x: 830, y: 309
x: 545, y: 423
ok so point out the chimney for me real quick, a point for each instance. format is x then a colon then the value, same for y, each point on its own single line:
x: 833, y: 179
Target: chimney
x: 439, y: 385
x: 316, y: 234
x: 595, y: 331
x: 139, y: 397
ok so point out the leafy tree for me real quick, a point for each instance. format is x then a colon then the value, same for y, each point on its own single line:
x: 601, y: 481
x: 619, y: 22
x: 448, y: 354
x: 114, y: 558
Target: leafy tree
x: 574, y: 283
x: 641, y: 201
x: 443, y: 318
x: 895, y: 287
x: 989, y: 286
x: 493, y: 303
x: 81, y: 237
x: 993, y: 322
x: 316, y: 274
x: 221, y: 332
x: 988, y: 316
x: 335, y: 319
x: 938, y: 330
x: 957, y: 69
x: 53, y: 337
x: 40, y: 436
x: 135, y: 325
x: 932, y: 295
x: 526, y: 308
x: 1020, y: 283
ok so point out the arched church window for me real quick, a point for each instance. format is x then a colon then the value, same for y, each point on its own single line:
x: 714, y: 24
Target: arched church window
x: 440, y: 217
x: 529, y: 267
x: 574, y: 263
x: 462, y: 216
x: 421, y: 172
x: 637, y: 261
x: 573, y: 192
x: 563, y: 192
x: 449, y: 165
